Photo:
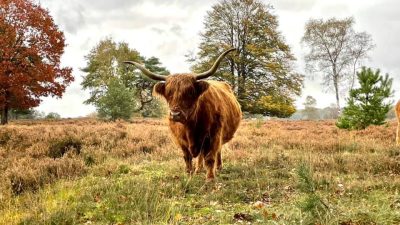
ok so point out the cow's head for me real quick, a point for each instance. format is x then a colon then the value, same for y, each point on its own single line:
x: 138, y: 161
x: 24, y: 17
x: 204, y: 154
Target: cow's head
x: 181, y: 90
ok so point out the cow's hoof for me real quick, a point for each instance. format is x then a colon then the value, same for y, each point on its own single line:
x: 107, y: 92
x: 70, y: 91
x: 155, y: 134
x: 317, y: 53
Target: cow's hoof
x: 189, y: 172
x: 210, y: 180
x: 197, y: 171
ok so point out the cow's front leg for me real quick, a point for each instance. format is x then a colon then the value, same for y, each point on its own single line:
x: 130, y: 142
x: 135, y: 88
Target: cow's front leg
x: 195, y: 151
x: 200, y: 163
x: 209, y: 162
x: 211, y: 157
x: 188, y: 160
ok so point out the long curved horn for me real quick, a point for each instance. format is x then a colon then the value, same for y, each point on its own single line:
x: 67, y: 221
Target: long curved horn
x: 146, y: 72
x: 214, y: 67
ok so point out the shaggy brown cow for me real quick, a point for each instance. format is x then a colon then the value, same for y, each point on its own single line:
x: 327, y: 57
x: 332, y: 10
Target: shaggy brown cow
x: 398, y: 123
x: 204, y: 115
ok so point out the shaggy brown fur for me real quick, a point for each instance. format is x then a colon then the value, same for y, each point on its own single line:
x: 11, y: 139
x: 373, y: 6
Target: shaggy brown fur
x: 209, y: 115
x: 398, y: 123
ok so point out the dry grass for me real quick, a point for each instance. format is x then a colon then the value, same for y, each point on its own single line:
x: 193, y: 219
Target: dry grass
x: 34, y: 154
x: 356, y: 173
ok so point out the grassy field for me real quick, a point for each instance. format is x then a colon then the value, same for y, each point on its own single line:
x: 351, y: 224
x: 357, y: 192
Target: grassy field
x: 275, y: 172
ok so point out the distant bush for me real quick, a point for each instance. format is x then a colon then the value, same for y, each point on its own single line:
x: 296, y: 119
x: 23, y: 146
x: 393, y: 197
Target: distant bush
x: 53, y: 116
x: 156, y: 109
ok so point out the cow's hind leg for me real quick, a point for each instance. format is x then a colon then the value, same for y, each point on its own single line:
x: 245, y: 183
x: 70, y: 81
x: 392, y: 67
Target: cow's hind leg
x: 398, y: 133
x: 219, y: 160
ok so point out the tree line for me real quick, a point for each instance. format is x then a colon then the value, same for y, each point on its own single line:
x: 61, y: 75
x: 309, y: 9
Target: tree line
x: 31, y: 114
x: 261, y: 72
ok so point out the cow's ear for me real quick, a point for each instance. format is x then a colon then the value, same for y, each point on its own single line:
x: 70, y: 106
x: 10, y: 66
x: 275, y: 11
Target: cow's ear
x: 159, y: 88
x: 201, y: 86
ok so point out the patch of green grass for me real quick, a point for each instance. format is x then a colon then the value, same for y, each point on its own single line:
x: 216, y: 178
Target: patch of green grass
x: 160, y: 193
x: 121, y: 198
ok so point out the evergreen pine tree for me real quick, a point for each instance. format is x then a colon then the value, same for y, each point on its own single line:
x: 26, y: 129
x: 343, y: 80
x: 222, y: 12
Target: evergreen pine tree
x: 367, y: 105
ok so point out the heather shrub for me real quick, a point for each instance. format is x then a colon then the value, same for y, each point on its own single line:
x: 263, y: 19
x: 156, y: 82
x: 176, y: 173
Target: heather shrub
x: 59, y: 147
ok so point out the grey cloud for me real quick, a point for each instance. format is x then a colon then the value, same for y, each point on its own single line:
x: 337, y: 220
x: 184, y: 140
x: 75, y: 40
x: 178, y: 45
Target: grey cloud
x: 158, y: 30
x: 107, y: 5
x: 85, y: 44
x: 69, y: 15
x: 382, y: 22
x: 168, y: 48
x: 384, y: 10
x: 336, y: 10
x: 135, y: 18
x: 72, y: 18
x: 190, y: 4
x: 293, y: 5
x: 75, y: 15
x: 176, y: 29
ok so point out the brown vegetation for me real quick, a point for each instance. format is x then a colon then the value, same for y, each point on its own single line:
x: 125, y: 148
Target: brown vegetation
x: 347, y: 165
x: 36, y: 153
x: 33, y: 154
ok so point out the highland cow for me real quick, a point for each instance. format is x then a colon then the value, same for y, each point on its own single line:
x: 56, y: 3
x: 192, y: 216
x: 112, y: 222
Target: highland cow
x: 203, y: 116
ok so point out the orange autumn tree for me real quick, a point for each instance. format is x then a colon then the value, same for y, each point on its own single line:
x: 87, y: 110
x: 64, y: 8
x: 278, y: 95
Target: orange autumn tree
x: 30, y: 49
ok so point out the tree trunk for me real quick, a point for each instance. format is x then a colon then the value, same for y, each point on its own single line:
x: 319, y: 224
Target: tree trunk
x: 4, y: 115
x: 232, y: 68
x: 240, y: 86
x: 336, y: 84
x: 338, y: 100
x: 354, y: 75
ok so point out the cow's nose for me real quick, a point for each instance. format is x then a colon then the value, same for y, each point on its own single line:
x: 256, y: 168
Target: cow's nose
x: 175, y: 113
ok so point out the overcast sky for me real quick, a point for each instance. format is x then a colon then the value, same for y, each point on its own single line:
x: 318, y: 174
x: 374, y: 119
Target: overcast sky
x: 168, y: 29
